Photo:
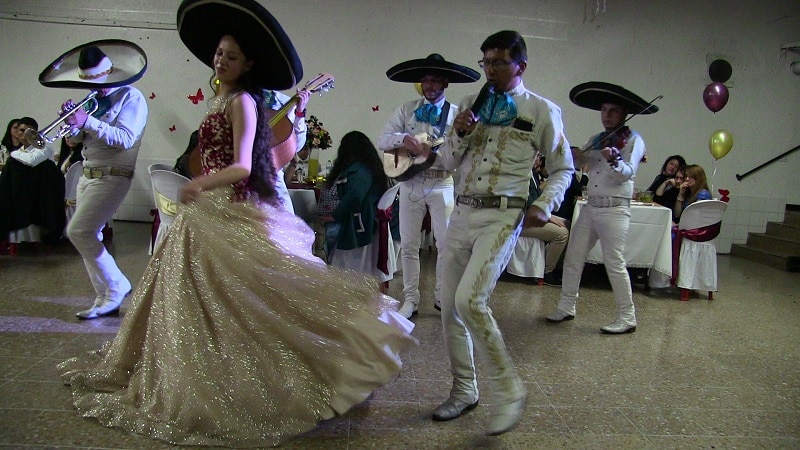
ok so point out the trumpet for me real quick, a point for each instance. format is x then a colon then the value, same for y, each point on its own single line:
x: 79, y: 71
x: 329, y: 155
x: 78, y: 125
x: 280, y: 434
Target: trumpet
x: 40, y: 139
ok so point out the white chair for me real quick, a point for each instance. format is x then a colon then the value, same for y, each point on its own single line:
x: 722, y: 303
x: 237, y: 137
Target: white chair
x: 697, y: 263
x: 71, y: 188
x: 158, y: 166
x: 304, y: 202
x: 384, y: 203
x: 527, y: 260
x: 166, y: 185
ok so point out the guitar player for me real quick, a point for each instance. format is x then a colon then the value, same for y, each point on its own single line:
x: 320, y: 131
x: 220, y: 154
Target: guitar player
x: 428, y: 187
x: 297, y: 124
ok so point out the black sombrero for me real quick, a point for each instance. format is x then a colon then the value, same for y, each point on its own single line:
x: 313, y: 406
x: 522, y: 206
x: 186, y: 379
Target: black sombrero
x: 98, y: 64
x: 201, y: 24
x: 593, y: 94
x: 412, y: 71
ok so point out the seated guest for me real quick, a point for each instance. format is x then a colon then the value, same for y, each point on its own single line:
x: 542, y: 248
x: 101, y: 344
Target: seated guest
x: 70, y: 154
x: 358, y: 177
x: 693, y: 188
x: 31, y: 194
x: 10, y: 142
x: 555, y: 233
x: 662, y: 186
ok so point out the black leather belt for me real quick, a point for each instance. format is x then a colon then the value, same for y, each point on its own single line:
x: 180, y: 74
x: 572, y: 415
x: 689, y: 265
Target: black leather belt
x: 492, y: 202
x: 100, y: 172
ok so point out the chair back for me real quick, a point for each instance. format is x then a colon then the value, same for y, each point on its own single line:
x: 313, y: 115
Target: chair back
x: 71, y: 183
x: 387, y: 198
x: 159, y: 166
x: 166, y: 185
x: 702, y: 213
x: 304, y: 203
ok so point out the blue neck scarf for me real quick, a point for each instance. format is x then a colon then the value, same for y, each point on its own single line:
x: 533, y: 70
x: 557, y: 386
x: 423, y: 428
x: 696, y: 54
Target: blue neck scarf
x: 499, y: 109
x: 270, y: 98
x: 428, y: 113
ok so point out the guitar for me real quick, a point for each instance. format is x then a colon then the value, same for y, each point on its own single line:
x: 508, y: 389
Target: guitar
x: 401, y: 165
x: 284, y: 141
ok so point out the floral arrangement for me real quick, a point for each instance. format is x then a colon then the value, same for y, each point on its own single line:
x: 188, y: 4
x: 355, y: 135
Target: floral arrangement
x: 317, y: 136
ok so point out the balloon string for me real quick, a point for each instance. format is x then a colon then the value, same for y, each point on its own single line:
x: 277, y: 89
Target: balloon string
x: 713, y: 176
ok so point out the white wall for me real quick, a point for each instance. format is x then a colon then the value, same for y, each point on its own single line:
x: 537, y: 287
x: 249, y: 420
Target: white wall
x: 652, y: 48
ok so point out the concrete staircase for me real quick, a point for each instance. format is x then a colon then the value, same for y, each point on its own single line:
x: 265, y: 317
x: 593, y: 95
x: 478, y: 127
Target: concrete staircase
x: 779, y: 247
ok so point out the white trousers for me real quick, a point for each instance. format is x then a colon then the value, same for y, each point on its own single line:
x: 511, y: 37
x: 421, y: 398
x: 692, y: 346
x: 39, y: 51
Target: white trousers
x: 96, y: 202
x: 283, y: 192
x: 418, y: 195
x: 478, y: 246
x: 610, y: 226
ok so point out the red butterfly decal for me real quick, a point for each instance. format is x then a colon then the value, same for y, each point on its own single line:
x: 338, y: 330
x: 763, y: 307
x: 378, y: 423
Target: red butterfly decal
x: 172, y: 128
x: 152, y: 95
x: 376, y: 107
x: 724, y: 193
x: 198, y: 97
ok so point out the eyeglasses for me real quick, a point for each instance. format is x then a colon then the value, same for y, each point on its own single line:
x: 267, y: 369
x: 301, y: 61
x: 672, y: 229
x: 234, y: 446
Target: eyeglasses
x: 497, y: 63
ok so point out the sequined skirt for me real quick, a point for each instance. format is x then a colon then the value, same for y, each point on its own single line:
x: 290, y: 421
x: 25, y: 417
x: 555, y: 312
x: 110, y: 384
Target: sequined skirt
x: 238, y: 336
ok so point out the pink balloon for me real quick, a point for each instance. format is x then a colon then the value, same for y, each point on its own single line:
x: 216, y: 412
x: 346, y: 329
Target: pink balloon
x: 715, y: 96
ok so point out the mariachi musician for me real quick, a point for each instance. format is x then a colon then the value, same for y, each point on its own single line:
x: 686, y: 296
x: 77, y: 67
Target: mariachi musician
x: 431, y: 189
x: 111, y: 137
x: 288, y: 135
x: 613, y: 157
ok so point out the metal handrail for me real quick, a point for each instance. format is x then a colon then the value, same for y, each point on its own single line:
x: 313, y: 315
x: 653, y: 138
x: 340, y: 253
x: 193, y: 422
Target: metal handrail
x: 740, y: 177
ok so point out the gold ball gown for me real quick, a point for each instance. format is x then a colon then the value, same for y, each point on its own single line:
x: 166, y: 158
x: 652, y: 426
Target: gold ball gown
x: 236, y: 334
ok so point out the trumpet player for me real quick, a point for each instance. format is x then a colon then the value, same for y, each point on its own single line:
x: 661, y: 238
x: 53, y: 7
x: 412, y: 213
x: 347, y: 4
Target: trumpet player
x: 111, y: 137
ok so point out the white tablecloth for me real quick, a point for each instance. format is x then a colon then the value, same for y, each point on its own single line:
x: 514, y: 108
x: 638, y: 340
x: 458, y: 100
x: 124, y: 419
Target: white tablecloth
x: 649, y: 243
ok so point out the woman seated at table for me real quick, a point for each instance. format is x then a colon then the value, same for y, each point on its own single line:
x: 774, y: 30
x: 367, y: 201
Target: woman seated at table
x: 662, y: 185
x: 31, y: 195
x: 358, y: 177
x: 692, y: 188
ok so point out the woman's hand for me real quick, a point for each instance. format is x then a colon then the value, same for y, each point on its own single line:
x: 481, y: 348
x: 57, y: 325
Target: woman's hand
x: 190, y: 192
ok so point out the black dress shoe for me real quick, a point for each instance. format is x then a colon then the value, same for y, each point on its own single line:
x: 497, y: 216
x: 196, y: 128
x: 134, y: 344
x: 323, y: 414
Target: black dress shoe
x: 452, y: 408
x: 552, y: 279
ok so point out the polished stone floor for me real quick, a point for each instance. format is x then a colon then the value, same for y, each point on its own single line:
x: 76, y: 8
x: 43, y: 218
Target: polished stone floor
x: 698, y: 374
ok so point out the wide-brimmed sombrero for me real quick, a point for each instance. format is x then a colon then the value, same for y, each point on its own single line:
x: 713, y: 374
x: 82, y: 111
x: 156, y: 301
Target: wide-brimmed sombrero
x: 593, y: 94
x: 98, y: 64
x: 412, y: 71
x: 201, y: 24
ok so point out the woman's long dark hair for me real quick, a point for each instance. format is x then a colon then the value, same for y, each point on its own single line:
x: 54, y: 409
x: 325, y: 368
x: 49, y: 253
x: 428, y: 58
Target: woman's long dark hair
x: 681, y: 162
x: 263, y: 173
x: 8, y: 140
x: 67, y: 152
x: 356, y: 146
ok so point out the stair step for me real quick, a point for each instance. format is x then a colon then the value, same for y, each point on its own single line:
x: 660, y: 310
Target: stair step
x: 778, y: 260
x: 773, y: 243
x: 792, y: 218
x: 784, y: 230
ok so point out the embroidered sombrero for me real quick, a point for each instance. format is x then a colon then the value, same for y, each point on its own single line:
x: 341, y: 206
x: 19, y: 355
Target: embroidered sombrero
x: 98, y: 64
x: 201, y: 24
x: 593, y: 94
x: 413, y: 70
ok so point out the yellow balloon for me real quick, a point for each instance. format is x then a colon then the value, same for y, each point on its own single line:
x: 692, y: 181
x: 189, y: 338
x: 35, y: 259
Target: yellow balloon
x: 720, y: 144
x: 418, y: 88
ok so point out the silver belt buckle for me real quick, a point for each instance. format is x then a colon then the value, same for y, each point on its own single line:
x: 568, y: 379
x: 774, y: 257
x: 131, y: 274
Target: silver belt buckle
x: 476, y: 202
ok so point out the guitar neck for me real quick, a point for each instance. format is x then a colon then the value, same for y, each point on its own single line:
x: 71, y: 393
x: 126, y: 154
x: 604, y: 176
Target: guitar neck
x: 281, y: 113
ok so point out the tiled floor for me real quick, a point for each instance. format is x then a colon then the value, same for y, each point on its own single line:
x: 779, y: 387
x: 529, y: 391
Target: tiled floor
x: 697, y: 374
